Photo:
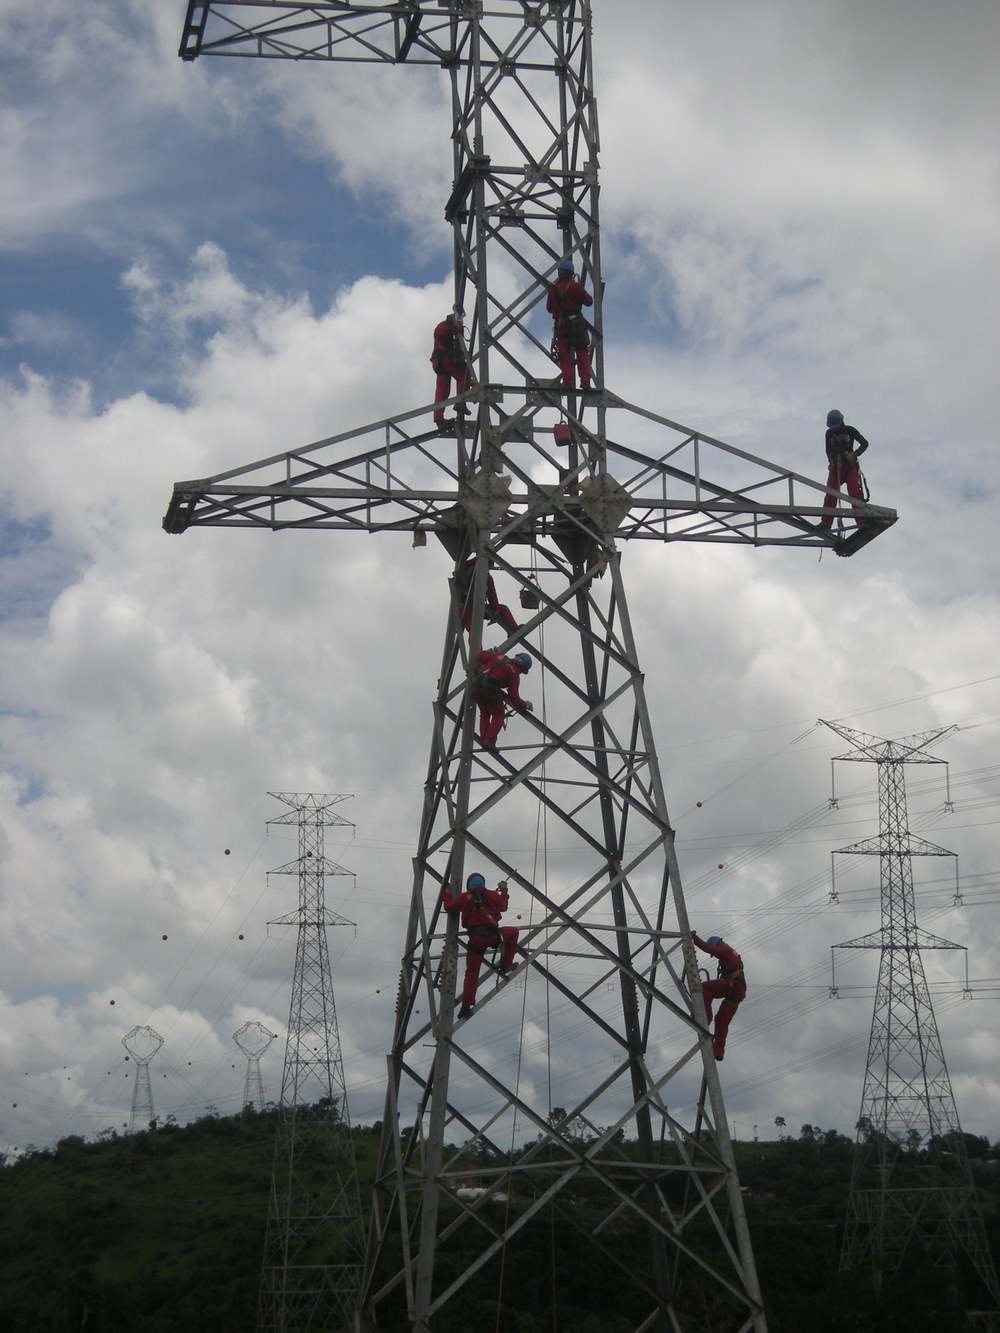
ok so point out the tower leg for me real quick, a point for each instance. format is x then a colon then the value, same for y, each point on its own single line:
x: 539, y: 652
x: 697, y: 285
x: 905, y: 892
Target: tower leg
x: 490, y: 1140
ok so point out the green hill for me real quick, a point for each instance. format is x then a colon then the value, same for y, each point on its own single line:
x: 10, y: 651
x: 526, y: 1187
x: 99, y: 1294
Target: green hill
x: 163, y: 1233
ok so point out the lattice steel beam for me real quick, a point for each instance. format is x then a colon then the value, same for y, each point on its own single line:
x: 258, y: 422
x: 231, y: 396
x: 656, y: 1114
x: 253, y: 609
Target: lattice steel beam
x: 314, y: 1241
x: 607, y: 963
x: 912, y: 1194
x: 687, y: 487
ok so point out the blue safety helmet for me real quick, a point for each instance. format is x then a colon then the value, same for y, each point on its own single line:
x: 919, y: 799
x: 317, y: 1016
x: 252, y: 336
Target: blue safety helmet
x: 475, y: 882
x: 834, y: 418
x: 523, y: 661
x: 565, y: 266
x: 714, y: 940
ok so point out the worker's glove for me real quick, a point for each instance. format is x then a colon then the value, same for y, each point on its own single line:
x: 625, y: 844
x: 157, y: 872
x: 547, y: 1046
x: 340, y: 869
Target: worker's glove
x: 528, y: 706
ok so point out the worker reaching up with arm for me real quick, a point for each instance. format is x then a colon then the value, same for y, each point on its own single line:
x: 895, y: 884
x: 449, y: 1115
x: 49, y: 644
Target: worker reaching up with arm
x: 480, y: 909
x: 729, y: 986
x: 844, y: 446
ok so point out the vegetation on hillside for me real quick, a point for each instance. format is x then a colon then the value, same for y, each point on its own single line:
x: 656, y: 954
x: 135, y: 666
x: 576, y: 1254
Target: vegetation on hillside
x: 162, y: 1232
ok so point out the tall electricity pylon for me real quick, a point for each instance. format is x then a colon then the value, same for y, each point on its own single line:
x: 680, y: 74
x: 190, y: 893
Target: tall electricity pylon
x: 912, y: 1195
x: 142, y: 1043
x: 612, y: 1077
x: 314, y: 1244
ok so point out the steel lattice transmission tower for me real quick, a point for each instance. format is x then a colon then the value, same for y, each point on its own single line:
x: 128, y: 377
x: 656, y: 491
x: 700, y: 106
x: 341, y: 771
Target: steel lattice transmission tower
x: 253, y: 1039
x: 544, y: 485
x: 314, y: 1243
x: 912, y: 1195
x: 142, y: 1043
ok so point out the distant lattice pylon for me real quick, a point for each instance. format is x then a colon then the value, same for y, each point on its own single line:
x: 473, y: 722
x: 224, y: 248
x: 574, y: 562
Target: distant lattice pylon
x: 253, y: 1039
x: 142, y: 1043
x: 314, y: 1243
x: 912, y: 1194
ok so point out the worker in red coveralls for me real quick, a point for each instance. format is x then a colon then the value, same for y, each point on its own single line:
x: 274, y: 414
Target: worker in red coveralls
x: 448, y: 360
x: 494, y: 685
x: 844, y: 446
x: 496, y: 612
x: 729, y: 986
x: 564, y: 303
x: 481, y: 910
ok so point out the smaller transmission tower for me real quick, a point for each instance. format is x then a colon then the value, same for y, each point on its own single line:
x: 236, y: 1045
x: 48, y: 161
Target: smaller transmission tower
x: 314, y: 1244
x: 912, y: 1194
x: 253, y: 1039
x: 142, y: 1044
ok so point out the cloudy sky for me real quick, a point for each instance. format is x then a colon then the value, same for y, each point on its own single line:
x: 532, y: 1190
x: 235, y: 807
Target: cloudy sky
x: 208, y: 263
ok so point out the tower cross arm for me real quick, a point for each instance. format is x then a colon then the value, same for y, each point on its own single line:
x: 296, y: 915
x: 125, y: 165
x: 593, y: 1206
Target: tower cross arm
x: 328, y: 30
x: 317, y: 806
x: 686, y: 487
x: 895, y: 844
x: 908, y: 749
x: 915, y: 938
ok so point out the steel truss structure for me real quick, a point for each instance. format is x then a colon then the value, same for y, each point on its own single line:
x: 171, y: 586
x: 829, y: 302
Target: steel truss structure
x: 253, y: 1039
x: 142, y: 1043
x: 596, y: 1047
x: 912, y: 1194
x: 314, y: 1242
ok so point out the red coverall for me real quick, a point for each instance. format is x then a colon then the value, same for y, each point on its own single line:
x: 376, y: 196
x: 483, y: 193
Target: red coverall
x: 841, y: 443
x: 565, y: 301
x: 730, y: 986
x: 493, y: 693
x: 448, y: 360
x: 481, y: 911
x: 496, y: 612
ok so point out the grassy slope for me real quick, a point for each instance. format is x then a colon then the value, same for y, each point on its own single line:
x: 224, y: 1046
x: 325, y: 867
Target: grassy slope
x: 164, y: 1233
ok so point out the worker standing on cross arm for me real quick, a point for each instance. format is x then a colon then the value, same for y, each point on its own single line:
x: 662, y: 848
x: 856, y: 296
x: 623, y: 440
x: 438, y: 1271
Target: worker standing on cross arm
x: 844, y: 446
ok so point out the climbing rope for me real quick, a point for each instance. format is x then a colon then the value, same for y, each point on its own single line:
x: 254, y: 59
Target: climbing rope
x: 539, y: 873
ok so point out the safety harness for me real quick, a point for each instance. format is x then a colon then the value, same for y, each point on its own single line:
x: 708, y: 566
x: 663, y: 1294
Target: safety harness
x: 483, y: 685
x: 480, y: 903
x: 734, y: 979
x: 570, y: 321
x: 842, y: 445
x: 448, y: 347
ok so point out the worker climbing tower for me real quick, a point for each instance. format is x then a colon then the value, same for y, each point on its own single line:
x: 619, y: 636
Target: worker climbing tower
x: 912, y: 1192
x: 314, y: 1242
x: 582, y: 1089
